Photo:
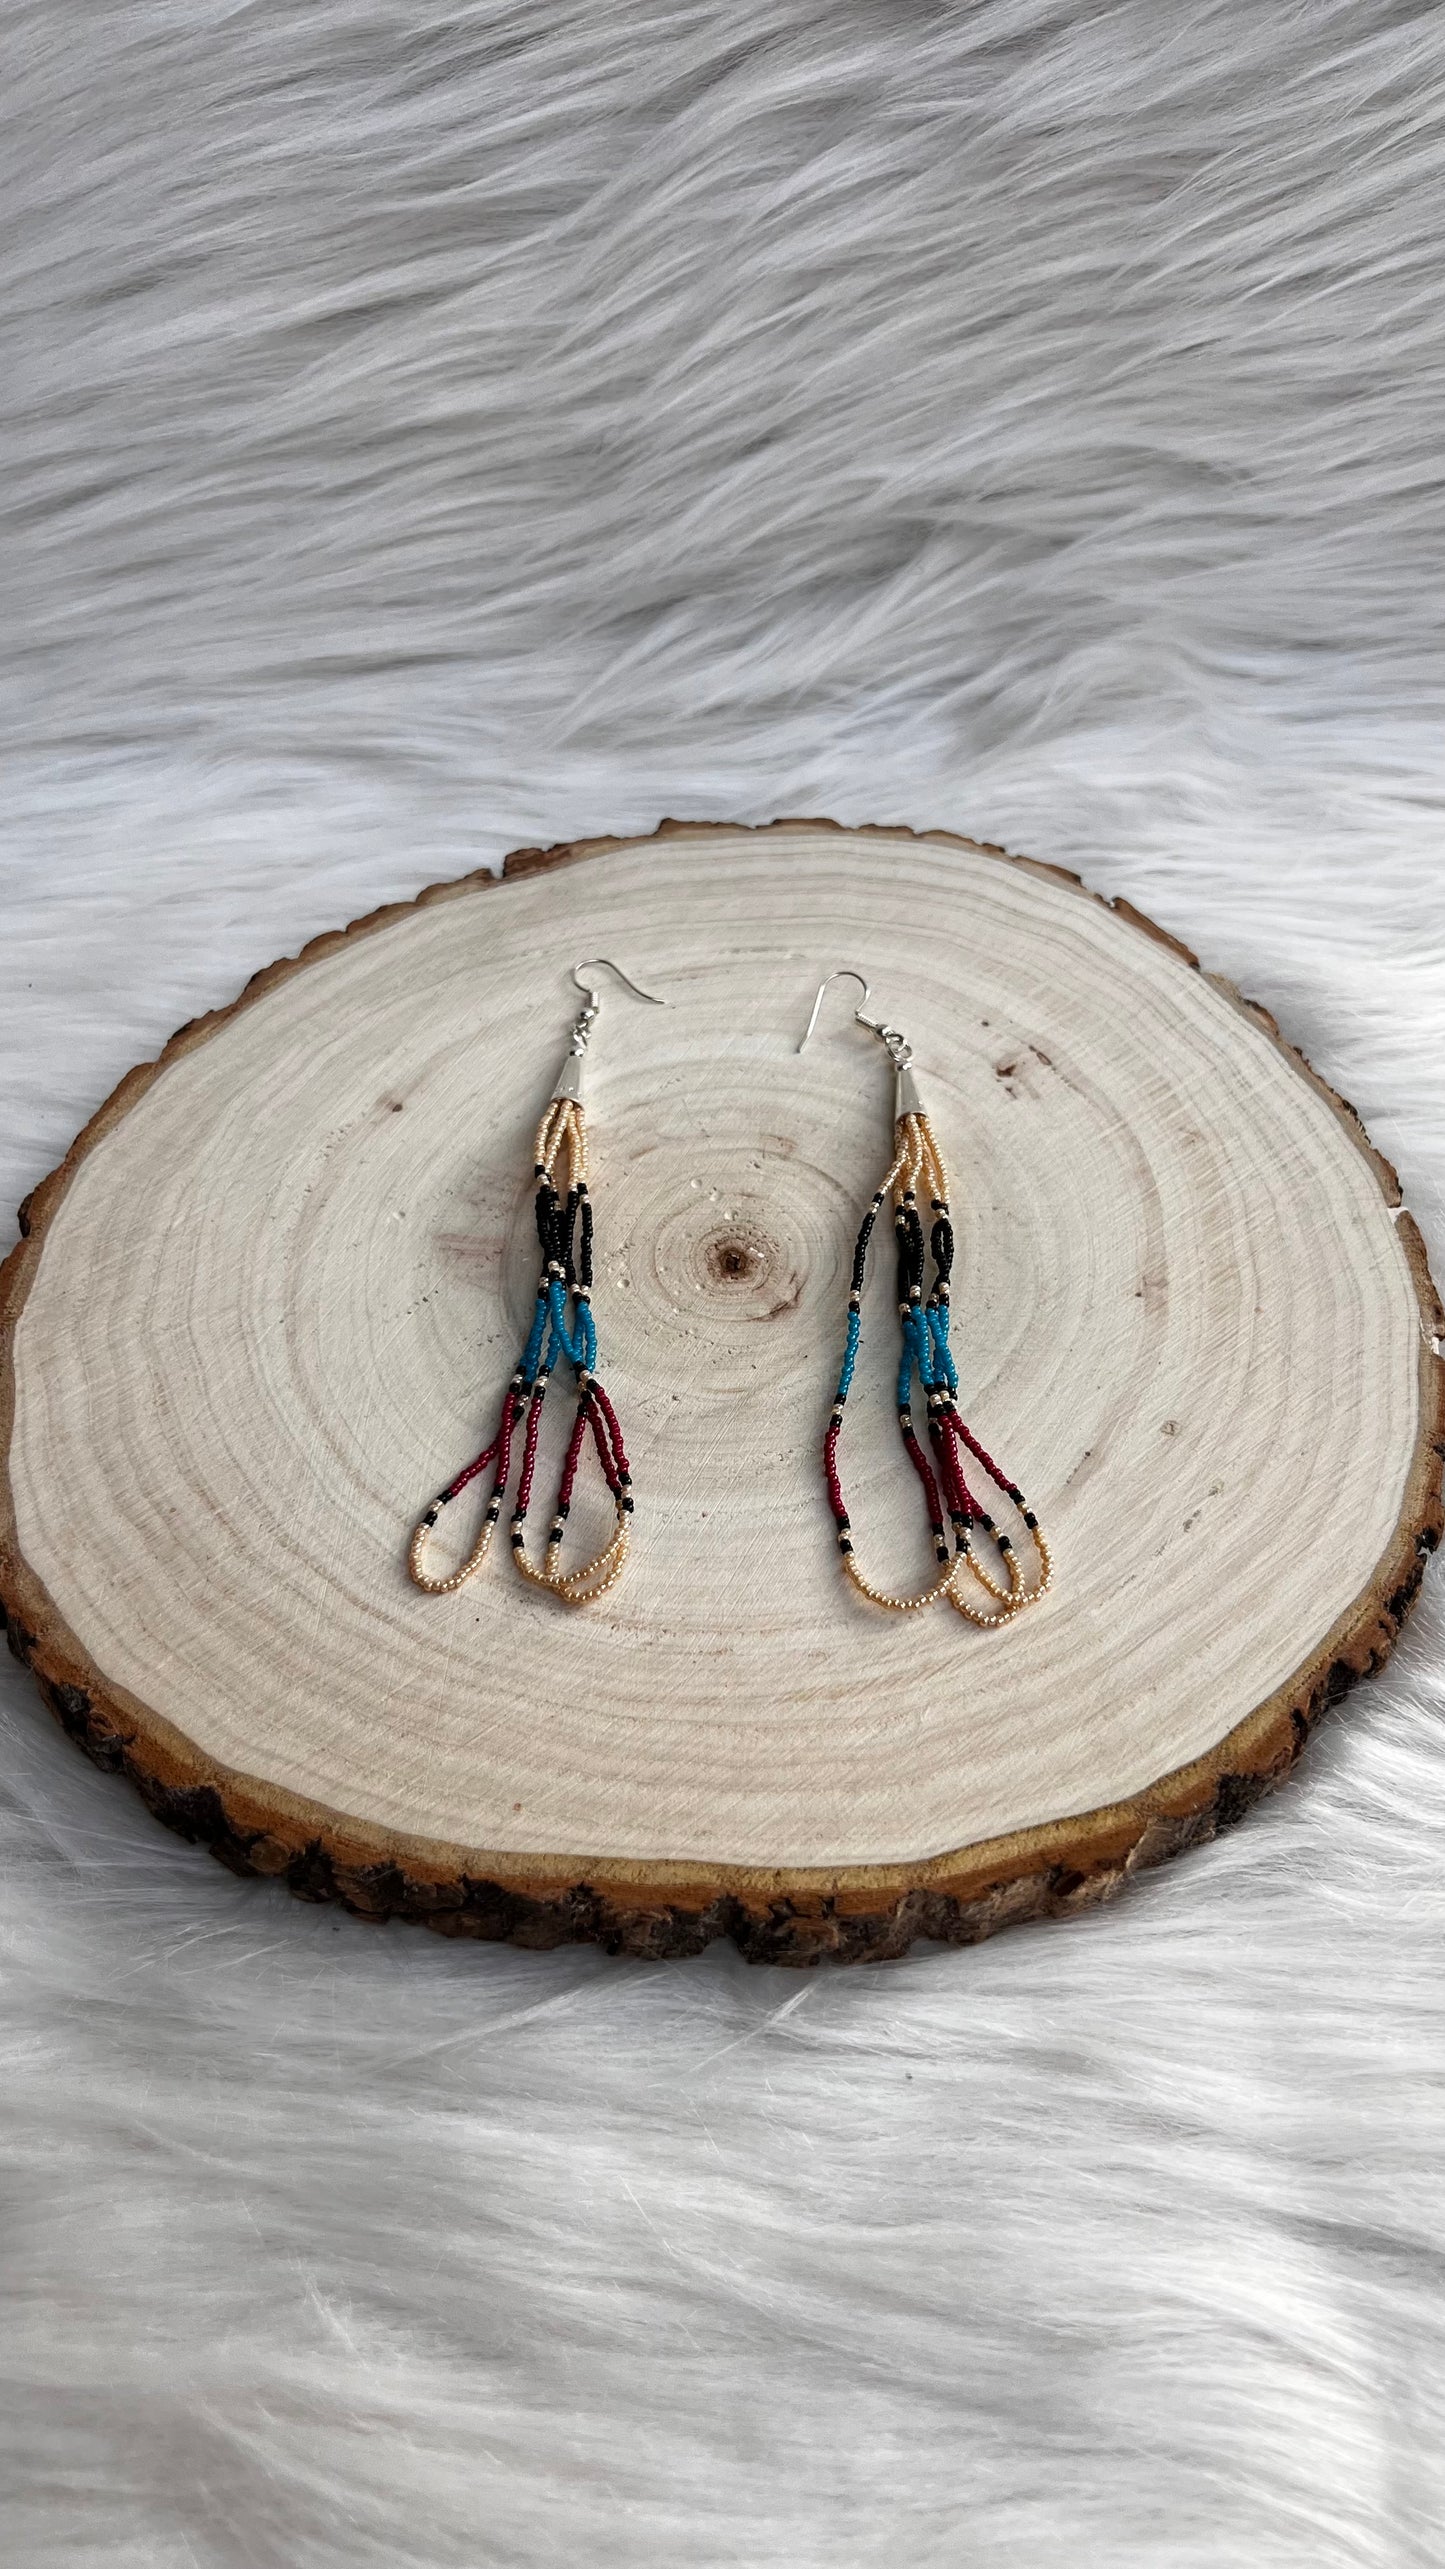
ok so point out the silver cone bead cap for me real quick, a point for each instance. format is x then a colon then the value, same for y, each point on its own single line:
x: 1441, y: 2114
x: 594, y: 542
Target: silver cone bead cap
x: 906, y: 1100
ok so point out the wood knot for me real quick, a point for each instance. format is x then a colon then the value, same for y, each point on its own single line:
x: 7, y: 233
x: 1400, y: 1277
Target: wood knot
x: 735, y: 1258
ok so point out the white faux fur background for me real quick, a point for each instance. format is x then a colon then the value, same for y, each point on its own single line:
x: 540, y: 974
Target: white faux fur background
x: 427, y: 428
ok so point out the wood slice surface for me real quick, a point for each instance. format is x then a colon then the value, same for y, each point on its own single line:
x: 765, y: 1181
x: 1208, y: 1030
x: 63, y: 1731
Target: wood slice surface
x: 268, y: 1304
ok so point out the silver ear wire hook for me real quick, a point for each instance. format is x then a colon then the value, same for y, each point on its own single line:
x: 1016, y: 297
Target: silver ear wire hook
x: 898, y: 1049
x: 844, y: 972
x: 570, y: 1083
x: 605, y: 962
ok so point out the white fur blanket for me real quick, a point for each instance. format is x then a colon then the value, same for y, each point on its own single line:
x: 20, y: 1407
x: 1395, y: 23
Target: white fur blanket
x: 428, y: 428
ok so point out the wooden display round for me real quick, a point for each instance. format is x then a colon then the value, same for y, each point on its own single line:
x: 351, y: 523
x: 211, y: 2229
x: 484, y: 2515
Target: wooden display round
x: 265, y: 1306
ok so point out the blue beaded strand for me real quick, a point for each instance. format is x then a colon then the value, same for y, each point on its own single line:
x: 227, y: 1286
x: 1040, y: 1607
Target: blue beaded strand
x: 945, y: 1370
x: 850, y: 1354
x: 580, y: 1349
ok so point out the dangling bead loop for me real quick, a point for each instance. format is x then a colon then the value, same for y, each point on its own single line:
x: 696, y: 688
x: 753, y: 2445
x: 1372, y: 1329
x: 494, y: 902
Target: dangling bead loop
x: 563, y: 1330
x: 926, y: 1360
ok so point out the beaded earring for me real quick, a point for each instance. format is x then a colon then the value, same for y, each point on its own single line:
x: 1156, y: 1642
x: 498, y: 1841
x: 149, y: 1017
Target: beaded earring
x: 917, y: 1161
x: 564, y: 1228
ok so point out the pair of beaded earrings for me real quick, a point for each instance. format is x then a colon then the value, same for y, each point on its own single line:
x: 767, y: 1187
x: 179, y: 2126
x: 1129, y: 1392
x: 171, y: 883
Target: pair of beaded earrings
x: 563, y: 1329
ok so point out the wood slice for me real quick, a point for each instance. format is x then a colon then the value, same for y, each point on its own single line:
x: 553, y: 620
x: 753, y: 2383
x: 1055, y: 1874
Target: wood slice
x: 267, y: 1305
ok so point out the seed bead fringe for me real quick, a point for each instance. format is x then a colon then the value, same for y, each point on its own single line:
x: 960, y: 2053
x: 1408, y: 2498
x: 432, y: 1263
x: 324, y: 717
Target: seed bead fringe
x: 564, y: 1229
x: 917, y: 1163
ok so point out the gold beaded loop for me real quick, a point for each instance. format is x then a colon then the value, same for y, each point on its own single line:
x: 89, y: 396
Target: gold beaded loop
x: 417, y: 1550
